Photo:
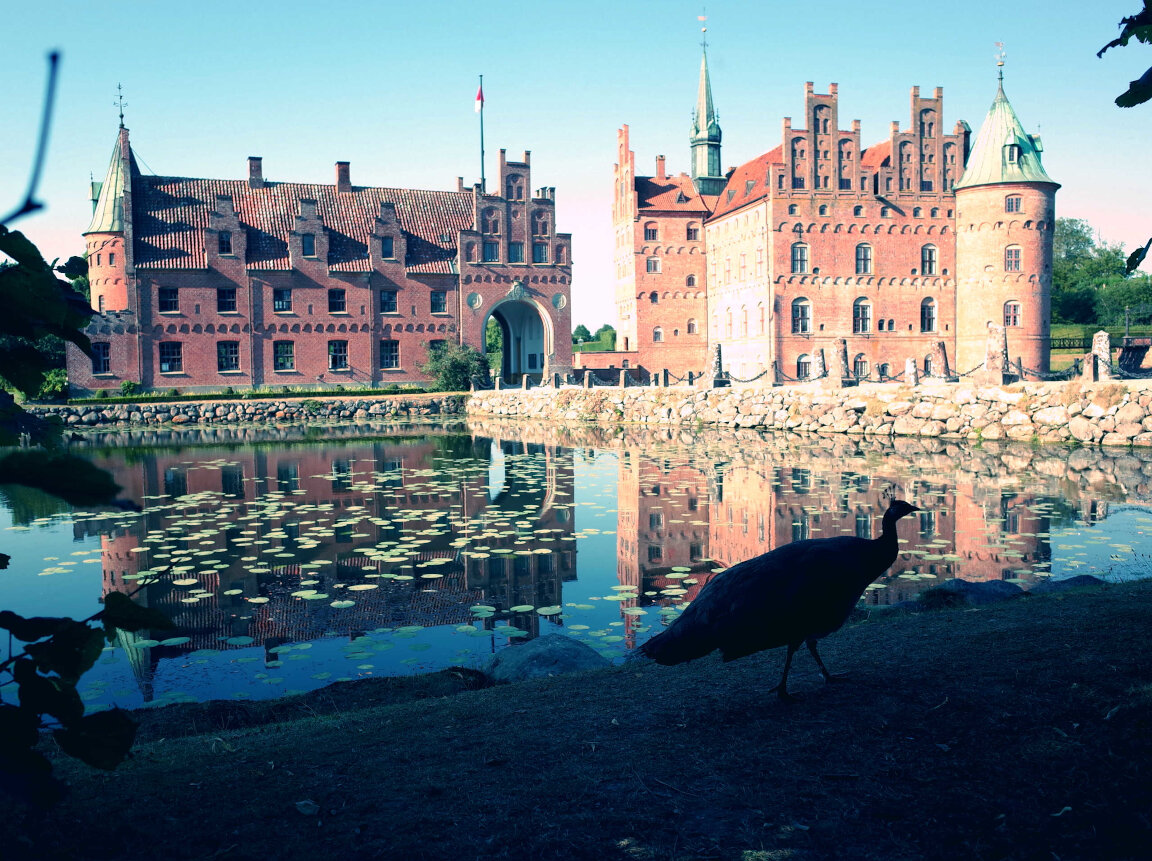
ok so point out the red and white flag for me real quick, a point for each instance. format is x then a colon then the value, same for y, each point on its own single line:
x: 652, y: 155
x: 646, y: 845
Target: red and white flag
x: 480, y: 98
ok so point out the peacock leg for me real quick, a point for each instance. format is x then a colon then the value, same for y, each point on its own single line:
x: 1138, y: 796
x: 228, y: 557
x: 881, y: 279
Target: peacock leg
x: 782, y: 688
x: 830, y: 677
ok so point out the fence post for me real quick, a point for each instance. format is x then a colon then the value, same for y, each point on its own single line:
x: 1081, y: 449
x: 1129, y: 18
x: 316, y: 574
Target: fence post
x: 911, y: 372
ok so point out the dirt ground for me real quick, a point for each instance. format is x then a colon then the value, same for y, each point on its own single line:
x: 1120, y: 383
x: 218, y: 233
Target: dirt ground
x: 1022, y: 730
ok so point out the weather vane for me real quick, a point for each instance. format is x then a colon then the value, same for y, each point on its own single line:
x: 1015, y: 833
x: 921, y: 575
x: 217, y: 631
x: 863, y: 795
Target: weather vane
x: 703, y: 29
x: 120, y: 103
x: 1001, y: 56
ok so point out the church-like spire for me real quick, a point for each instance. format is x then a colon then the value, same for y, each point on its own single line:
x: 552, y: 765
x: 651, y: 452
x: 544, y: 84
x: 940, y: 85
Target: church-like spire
x: 1003, y: 151
x: 705, y: 138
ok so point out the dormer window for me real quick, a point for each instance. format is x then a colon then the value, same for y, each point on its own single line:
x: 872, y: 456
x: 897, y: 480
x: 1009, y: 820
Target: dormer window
x: 1012, y: 153
x: 387, y: 247
x: 308, y: 244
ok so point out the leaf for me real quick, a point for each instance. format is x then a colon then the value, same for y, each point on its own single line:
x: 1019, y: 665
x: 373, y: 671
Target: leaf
x: 73, y: 479
x: 1137, y: 257
x: 18, y: 728
x: 1138, y: 92
x: 46, y: 694
x: 36, y: 628
x: 122, y: 612
x: 70, y: 652
x: 102, y: 739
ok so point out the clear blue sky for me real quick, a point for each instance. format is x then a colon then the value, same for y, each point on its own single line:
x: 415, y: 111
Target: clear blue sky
x: 390, y: 87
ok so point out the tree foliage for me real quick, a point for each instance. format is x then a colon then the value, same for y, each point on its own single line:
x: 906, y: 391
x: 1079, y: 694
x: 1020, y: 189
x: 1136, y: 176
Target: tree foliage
x: 606, y: 335
x: 453, y: 366
x: 581, y: 334
x: 1091, y: 283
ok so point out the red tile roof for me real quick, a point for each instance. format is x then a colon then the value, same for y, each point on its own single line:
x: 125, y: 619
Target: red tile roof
x: 170, y: 213
x: 748, y: 183
x: 671, y: 194
x: 877, y: 155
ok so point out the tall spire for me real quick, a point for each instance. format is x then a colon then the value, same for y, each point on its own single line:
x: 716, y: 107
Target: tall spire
x: 705, y: 139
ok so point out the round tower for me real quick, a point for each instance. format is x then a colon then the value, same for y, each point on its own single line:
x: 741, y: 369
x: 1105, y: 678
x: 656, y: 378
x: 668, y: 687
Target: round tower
x: 1005, y: 216
x: 107, y: 238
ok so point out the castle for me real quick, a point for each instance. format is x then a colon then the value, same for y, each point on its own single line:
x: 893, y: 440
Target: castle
x: 208, y: 284
x: 918, y: 241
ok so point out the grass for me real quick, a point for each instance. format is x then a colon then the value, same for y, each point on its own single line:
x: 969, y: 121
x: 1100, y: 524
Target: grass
x: 1018, y: 731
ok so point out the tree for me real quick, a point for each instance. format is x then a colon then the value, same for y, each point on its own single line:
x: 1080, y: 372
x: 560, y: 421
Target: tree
x: 606, y: 335
x: 453, y: 366
x: 494, y: 344
x: 1081, y: 266
x: 581, y: 334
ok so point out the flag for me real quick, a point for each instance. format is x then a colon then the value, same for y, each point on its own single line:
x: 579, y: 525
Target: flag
x: 480, y: 99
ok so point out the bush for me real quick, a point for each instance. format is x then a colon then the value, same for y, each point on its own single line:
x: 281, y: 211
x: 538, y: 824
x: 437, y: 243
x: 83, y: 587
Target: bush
x: 453, y: 366
x: 55, y: 385
x: 128, y: 388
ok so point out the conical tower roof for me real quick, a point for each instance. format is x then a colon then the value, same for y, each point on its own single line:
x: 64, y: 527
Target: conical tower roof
x: 108, y: 216
x: 1003, y: 152
x: 704, y: 122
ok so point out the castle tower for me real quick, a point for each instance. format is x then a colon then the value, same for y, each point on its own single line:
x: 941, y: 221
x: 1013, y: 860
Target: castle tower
x: 109, y: 235
x: 705, y: 139
x: 1005, y: 215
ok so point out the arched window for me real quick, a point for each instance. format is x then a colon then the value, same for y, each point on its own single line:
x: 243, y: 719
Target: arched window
x: 884, y: 211
x: 863, y: 259
x: 470, y: 252
x: 489, y: 221
x: 1012, y: 258
x: 1011, y: 313
x: 928, y: 315
x: 651, y: 232
x: 928, y: 260
x: 691, y: 328
x: 690, y: 281
x: 653, y: 298
x: 883, y: 371
x: 539, y: 224
x: 657, y: 335
x: 917, y: 212
x: 823, y: 209
x: 653, y: 264
x: 803, y: 366
x: 860, y: 366
x: 799, y: 258
x: 858, y: 211
x: 792, y: 209
x: 935, y: 212
x: 693, y: 232
x: 801, y: 316
x: 928, y: 366
x: 515, y: 188
x: 861, y: 316
x: 1013, y: 203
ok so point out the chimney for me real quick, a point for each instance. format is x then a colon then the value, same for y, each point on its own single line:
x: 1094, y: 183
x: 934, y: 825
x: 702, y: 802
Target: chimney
x: 660, y: 174
x: 343, y: 182
x: 255, y: 171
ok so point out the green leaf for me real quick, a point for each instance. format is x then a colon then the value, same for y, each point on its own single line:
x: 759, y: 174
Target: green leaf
x: 122, y: 612
x: 102, y: 739
x: 36, y: 628
x: 70, y: 652
x: 73, y: 479
x: 47, y: 694
x: 1137, y: 257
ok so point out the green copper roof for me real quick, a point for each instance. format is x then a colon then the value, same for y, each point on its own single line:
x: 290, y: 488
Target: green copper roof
x: 1003, y: 151
x: 704, y: 123
x: 108, y: 216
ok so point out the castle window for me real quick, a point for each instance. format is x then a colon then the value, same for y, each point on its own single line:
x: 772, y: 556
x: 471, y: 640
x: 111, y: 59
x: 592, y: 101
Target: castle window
x: 935, y: 213
x: 799, y: 258
x: 652, y: 265
x: 1011, y: 314
x: 337, y: 301
x: 792, y: 209
x: 389, y: 354
x: 653, y: 297
x: 803, y: 366
x: 227, y: 356
x: 861, y: 316
x: 101, y: 357
x: 539, y: 252
x: 1012, y: 153
x: 858, y: 211
x: 651, y: 232
x: 439, y: 302
x: 917, y: 212
x: 284, y: 355
x: 100, y: 303
x: 743, y: 322
x: 928, y: 260
x: 515, y: 252
x: 691, y: 328
x: 308, y: 244
x: 1013, y: 203
x: 657, y: 335
x: 337, y: 355
x: 387, y: 247
x: 1012, y: 258
x: 539, y: 224
x: 797, y: 182
x: 728, y: 323
x: 884, y: 371
x: 491, y: 252
x: 863, y: 259
x: 823, y: 209
x: 561, y: 254
x: 470, y: 252
x: 167, y: 300
x: 111, y: 258
x: 759, y: 262
x: 515, y: 189
x: 281, y: 299
x: 743, y: 267
x: 223, y: 243
x: 489, y: 221
x: 388, y: 302
x: 860, y: 366
x: 171, y: 355
x: 693, y: 233
x: 885, y: 212
x: 928, y: 315
x: 925, y: 185
x: 801, y: 316
x: 690, y: 281
x: 226, y: 300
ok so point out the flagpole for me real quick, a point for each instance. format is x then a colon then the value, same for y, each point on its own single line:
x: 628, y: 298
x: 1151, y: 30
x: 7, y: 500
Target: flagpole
x: 483, y: 187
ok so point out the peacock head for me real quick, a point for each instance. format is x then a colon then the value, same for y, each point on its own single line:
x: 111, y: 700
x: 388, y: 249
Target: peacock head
x: 899, y: 508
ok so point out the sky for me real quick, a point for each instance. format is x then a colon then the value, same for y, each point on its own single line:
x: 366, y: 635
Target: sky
x: 390, y: 87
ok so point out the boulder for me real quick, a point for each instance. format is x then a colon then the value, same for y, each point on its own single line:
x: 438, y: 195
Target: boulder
x: 552, y: 655
x: 1080, y: 581
x: 965, y: 593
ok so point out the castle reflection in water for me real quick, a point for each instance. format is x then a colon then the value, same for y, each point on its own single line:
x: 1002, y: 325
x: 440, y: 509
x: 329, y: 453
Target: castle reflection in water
x: 416, y: 525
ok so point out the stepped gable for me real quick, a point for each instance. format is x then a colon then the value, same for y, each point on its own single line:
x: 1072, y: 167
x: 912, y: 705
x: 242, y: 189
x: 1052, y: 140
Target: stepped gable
x: 170, y: 215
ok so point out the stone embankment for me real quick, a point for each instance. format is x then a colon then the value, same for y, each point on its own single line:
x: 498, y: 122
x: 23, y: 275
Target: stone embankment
x: 1110, y: 413
x: 270, y: 411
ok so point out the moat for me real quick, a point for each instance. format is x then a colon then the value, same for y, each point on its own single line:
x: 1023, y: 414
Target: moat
x: 343, y: 552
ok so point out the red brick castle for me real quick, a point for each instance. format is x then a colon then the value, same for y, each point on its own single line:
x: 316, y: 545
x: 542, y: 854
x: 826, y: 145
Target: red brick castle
x: 206, y: 284
x: 923, y: 238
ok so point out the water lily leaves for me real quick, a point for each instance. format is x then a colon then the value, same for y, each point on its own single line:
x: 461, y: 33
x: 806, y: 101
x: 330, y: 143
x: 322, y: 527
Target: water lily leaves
x: 549, y: 611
